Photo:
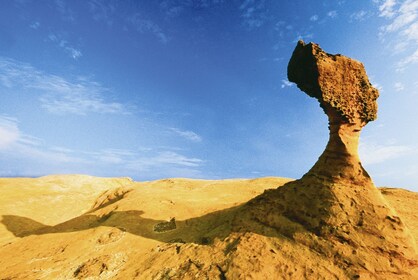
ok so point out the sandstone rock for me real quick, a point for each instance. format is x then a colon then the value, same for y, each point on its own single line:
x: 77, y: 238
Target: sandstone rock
x: 344, y: 92
x: 335, y: 209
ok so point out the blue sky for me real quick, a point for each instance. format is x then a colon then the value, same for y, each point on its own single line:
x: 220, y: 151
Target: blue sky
x: 182, y: 88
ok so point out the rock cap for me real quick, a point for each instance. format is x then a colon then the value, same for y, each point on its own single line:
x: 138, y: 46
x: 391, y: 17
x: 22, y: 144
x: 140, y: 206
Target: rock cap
x: 337, y: 81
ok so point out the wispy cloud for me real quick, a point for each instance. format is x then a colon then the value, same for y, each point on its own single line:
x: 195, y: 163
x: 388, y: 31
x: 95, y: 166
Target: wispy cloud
x: 143, y: 25
x: 286, y: 83
x: 405, y: 62
x: 253, y: 13
x: 332, y: 14
x: 403, y: 27
x: 288, y: 33
x: 115, y: 156
x: 103, y: 10
x: 66, y: 13
x: 378, y: 153
x: 314, y: 18
x: 167, y: 158
x: 174, y: 8
x: 9, y: 132
x: 387, y: 8
x: 17, y: 144
x: 70, y: 50
x: 189, y: 135
x: 360, y: 15
x: 35, y: 25
x: 57, y: 94
x: 175, y: 158
x: 283, y: 28
x: 399, y: 86
x: 149, y: 162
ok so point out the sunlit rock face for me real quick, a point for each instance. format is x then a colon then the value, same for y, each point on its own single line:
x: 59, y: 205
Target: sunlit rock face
x: 335, y: 209
x: 344, y: 92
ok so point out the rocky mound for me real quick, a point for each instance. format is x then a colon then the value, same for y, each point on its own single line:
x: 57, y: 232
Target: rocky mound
x: 213, y: 235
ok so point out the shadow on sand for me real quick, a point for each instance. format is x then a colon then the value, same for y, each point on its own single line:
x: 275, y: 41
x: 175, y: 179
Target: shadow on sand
x: 200, y: 230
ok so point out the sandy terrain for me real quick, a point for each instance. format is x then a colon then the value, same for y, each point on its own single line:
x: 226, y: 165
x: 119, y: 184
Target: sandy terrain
x: 73, y: 226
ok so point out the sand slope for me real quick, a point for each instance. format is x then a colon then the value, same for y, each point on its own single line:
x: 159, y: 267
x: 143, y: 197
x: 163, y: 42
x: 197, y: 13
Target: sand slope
x: 73, y: 226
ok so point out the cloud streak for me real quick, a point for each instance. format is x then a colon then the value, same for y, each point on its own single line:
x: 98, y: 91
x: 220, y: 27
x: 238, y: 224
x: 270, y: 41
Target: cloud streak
x: 403, y: 26
x: 387, y: 8
x: 332, y: 14
x: 63, y: 44
x: 371, y: 154
x: 143, y: 26
x: 286, y: 83
x: 15, y: 144
x: 9, y: 132
x: 188, y: 135
x: 103, y: 10
x: 253, y: 13
x: 360, y: 15
x: 56, y: 94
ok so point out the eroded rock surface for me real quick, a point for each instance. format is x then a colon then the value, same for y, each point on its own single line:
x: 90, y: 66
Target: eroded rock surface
x: 336, y: 201
x: 344, y: 92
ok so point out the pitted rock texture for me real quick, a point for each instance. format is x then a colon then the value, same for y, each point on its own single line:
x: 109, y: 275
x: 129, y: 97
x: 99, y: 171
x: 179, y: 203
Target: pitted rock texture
x: 335, y: 209
x: 344, y: 92
x: 336, y: 81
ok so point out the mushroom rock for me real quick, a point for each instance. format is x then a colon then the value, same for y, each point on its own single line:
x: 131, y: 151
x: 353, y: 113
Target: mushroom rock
x: 335, y: 209
x: 349, y: 100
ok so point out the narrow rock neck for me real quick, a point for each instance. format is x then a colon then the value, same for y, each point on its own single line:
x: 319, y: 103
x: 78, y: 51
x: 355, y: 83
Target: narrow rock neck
x: 340, y: 161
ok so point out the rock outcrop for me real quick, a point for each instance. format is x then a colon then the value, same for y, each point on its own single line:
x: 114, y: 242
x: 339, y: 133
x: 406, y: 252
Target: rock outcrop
x: 335, y: 208
x: 344, y: 92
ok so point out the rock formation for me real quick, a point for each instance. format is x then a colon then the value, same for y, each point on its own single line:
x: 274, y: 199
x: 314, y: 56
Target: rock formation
x: 341, y: 86
x: 336, y: 201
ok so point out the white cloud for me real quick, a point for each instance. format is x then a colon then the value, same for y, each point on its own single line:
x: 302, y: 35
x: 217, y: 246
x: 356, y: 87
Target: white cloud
x: 163, y: 164
x: 399, y: 86
x: 401, y: 21
x: 114, y: 156
x: 177, y: 159
x: 314, y: 18
x: 413, y: 58
x: 16, y: 144
x: 403, y: 27
x: 57, y: 94
x: 74, y: 53
x: 286, y: 83
x: 303, y: 36
x: 66, y: 13
x: 144, y: 159
x: 253, y: 13
x: 386, y: 8
x: 376, y: 153
x: 375, y: 83
x: 103, y: 11
x: 332, y: 14
x: 70, y: 50
x: 9, y: 132
x: 147, y: 26
x: 35, y: 25
x: 174, y: 8
x: 359, y: 16
x: 189, y: 135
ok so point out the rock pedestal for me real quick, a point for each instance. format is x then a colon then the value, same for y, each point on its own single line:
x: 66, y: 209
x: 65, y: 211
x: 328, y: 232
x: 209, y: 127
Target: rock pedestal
x: 335, y: 209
